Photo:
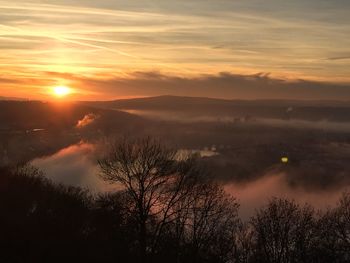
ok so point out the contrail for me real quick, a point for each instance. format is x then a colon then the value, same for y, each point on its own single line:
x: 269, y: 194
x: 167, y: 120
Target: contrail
x: 93, y: 46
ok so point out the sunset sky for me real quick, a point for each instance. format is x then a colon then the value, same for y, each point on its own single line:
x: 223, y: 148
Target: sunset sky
x: 110, y: 49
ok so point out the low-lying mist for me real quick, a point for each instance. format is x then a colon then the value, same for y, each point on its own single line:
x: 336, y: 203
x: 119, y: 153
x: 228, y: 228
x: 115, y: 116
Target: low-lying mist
x: 77, y: 166
x: 255, y: 194
x: 242, y: 150
x: 323, y: 125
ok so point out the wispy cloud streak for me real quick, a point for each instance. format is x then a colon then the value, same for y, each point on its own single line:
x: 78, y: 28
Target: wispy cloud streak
x: 187, y: 38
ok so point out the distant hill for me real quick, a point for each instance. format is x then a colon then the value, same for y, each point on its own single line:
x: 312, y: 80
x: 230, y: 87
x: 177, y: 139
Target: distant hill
x: 11, y: 98
x: 298, y: 109
x: 42, y: 115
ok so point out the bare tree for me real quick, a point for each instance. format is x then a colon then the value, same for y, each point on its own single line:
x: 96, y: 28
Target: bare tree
x: 208, y: 223
x: 284, y: 232
x: 334, y: 232
x: 155, y: 178
x: 243, y: 250
x: 342, y: 222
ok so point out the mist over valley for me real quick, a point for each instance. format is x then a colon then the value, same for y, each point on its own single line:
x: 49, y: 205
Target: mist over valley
x: 240, y: 143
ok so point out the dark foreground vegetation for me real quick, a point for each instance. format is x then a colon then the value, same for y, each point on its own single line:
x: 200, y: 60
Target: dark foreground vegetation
x: 167, y: 211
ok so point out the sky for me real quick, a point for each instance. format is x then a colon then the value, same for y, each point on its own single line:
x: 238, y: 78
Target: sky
x: 109, y: 49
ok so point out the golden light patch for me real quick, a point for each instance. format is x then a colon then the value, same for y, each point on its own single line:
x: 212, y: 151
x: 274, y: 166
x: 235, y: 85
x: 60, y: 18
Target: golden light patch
x: 284, y: 160
x: 61, y: 91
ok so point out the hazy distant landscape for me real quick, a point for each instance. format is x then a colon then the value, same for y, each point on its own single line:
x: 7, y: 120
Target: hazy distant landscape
x: 241, y: 143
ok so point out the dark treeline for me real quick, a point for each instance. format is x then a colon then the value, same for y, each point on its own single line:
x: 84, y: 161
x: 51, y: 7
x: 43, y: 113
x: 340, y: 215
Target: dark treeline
x: 167, y: 211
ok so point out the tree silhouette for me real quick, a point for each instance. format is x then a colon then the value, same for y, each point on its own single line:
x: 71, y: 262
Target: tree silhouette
x: 210, y: 222
x: 38, y: 217
x: 167, y: 209
x: 334, y: 232
x: 155, y: 178
x: 284, y: 232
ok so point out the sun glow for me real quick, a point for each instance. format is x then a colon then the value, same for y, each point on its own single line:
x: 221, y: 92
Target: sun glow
x: 61, y: 91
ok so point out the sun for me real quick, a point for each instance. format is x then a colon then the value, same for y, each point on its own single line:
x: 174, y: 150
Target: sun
x: 61, y: 91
